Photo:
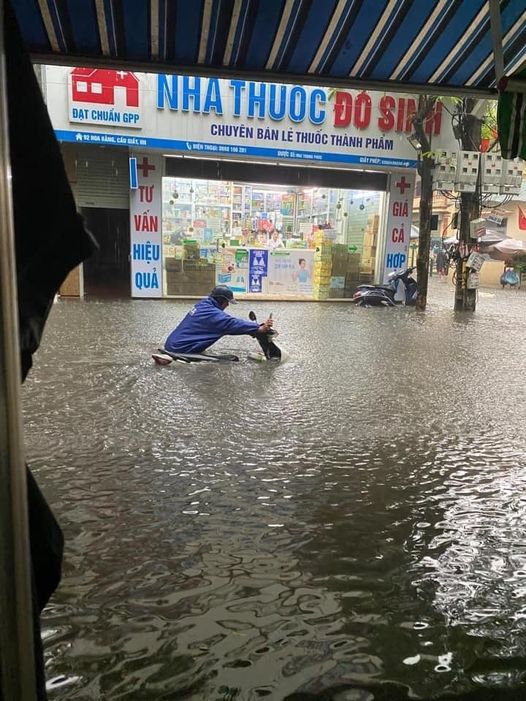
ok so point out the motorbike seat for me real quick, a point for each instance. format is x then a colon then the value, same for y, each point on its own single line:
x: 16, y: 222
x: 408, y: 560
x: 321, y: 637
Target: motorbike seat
x: 375, y: 287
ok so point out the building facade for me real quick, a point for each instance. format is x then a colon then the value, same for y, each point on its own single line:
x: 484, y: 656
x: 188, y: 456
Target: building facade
x: 275, y: 190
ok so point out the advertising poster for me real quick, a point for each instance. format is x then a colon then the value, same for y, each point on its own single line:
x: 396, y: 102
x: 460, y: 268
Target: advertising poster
x: 287, y: 205
x: 232, y: 269
x: 399, y: 218
x: 290, y: 272
x: 145, y: 227
x: 258, y: 269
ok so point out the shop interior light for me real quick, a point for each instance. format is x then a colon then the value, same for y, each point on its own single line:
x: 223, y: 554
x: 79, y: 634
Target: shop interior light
x: 265, y: 163
x: 226, y: 160
x: 276, y: 189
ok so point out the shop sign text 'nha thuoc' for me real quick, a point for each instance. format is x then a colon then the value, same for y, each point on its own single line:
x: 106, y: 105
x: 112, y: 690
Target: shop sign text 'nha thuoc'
x: 241, y: 118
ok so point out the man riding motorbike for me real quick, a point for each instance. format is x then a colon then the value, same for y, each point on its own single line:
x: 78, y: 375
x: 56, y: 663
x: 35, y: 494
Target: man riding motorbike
x: 207, y: 322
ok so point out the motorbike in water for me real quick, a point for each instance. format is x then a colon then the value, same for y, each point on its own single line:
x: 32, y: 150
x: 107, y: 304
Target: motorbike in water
x: 269, y: 352
x: 386, y: 295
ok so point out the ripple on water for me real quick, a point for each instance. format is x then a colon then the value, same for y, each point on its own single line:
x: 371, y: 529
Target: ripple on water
x: 351, y: 521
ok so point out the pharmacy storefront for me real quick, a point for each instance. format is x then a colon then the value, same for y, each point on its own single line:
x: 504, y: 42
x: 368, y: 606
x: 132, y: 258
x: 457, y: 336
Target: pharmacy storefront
x: 274, y: 190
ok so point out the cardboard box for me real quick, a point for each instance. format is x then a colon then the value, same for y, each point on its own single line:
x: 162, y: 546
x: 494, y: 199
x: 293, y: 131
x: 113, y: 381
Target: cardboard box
x: 337, y: 282
x: 352, y: 281
x: 369, y: 238
x: 191, y: 251
x: 338, y: 269
x: 325, y: 260
x: 323, y: 248
x: 172, y: 264
x: 353, y: 262
x: 193, y: 282
x: 321, y: 238
x: 322, y: 294
x: 190, y: 289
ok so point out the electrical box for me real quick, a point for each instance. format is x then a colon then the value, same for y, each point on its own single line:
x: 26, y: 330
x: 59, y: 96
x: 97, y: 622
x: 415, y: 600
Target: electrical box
x: 491, y: 179
x: 511, y: 176
x: 475, y: 261
x: 445, y: 169
x: 477, y: 228
x: 473, y: 281
x: 467, y: 171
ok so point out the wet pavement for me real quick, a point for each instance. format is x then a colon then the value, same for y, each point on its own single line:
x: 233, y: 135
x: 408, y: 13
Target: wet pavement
x: 349, y: 525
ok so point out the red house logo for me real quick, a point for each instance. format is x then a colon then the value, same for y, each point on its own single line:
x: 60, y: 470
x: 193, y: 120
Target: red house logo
x: 105, y: 97
x: 98, y: 86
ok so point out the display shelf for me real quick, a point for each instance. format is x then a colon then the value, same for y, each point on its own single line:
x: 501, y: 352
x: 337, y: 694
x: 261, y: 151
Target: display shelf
x: 207, y: 210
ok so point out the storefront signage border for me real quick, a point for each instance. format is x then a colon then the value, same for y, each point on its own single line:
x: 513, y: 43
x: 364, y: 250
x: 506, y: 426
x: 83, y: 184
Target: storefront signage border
x: 207, y: 149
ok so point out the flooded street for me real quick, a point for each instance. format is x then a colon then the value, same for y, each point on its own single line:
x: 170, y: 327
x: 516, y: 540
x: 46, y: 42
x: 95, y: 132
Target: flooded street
x: 349, y: 525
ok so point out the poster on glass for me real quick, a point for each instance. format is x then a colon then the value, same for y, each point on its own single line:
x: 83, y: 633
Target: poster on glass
x: 232, y: 270
x: 290, y: 272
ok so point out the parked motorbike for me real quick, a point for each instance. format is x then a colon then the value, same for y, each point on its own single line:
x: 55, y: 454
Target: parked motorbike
x: 385, y: 295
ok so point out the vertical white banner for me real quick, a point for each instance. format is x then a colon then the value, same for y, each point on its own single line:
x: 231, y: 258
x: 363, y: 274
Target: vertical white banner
x: 146, y: 227
x: 399, y: 217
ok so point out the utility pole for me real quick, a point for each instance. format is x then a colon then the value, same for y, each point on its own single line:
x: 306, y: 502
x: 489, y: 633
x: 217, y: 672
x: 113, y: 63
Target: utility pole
x: 470, y: 136
x: 426, y: 104
x: 424, y: 237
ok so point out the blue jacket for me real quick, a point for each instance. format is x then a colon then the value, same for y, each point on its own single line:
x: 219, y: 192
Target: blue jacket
x: 205, y: 324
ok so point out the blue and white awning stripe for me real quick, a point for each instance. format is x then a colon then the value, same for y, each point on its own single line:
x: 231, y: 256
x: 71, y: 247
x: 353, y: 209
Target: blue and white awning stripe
x: 443, y: 43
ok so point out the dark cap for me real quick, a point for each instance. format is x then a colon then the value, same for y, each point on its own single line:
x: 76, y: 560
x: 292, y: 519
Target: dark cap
x: 223, y: 292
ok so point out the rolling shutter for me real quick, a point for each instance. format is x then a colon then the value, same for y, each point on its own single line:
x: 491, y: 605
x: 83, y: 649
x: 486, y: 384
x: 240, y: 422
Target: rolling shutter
x: 102, y: 177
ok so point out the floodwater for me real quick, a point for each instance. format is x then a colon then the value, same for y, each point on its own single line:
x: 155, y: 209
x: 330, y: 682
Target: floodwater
x: 349, y: 525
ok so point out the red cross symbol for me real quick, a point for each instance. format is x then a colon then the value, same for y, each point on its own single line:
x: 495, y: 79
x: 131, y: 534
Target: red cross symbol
x: 145, y: 167
x: 402, y: 185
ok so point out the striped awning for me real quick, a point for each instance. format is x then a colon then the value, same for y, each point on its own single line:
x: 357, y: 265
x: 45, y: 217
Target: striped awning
x: 406, y: 44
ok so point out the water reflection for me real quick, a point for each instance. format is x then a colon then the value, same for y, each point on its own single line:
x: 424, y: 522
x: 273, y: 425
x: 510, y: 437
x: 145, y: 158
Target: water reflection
x: 349, y: 525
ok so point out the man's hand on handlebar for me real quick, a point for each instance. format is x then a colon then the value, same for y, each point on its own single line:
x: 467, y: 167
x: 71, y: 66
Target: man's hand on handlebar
x: 265, y: 327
